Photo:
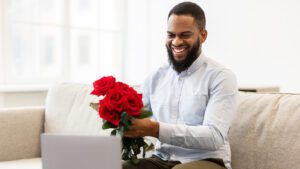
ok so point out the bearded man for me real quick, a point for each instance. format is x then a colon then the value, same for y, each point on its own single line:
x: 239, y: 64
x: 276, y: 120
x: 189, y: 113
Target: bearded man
x: 193, y: 101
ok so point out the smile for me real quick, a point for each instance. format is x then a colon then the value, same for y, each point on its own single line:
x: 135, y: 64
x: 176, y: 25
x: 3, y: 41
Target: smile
x: 179, y: 50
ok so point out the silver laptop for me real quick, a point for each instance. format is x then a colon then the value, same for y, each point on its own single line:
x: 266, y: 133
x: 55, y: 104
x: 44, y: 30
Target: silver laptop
x: 80, y: 152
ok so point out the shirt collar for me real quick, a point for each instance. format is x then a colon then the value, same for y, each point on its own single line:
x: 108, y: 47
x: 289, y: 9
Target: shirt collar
x: 195, y: 65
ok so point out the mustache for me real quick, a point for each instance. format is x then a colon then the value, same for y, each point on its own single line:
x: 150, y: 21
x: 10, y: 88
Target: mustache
x: 181, y: 45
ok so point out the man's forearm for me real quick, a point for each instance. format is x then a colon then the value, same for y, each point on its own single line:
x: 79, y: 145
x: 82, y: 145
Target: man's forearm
x: 200, y: 137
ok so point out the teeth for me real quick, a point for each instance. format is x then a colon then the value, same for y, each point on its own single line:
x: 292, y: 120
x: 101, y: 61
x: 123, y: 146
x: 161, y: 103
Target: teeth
x: 178, y: 50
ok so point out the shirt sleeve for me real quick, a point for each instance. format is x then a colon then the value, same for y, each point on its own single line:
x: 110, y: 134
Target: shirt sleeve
x: 217, y: 119
x: 145, y: 89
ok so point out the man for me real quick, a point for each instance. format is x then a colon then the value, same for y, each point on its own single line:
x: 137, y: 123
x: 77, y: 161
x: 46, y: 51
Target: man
x: 193, y: 101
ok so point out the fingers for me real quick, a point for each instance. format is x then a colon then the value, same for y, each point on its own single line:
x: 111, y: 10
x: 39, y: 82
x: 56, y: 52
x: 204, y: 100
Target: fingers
x: 131, y: 134
x: 138, y: 128
x: 133, y: 121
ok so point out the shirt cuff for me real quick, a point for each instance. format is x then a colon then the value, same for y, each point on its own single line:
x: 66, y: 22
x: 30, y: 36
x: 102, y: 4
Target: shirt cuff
x: 165, y: 132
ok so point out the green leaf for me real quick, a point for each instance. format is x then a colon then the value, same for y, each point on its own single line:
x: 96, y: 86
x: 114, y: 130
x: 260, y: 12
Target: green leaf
x: 126, y: 121
x: 107, y: 125
x: 95, y: 106
x: 144, y: 113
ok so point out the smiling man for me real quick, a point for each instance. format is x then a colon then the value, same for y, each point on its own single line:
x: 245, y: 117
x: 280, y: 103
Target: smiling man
x: 193, y: 101
x: 184, y: 40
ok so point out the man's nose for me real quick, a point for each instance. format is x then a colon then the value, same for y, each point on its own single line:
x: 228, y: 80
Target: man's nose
x: 177, y: 41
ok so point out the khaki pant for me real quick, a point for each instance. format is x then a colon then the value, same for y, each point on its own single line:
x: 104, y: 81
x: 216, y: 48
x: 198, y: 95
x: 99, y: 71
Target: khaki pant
x: 157, y: 163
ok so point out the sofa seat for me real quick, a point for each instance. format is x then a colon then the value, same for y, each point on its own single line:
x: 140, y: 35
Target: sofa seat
x: 33, y: 163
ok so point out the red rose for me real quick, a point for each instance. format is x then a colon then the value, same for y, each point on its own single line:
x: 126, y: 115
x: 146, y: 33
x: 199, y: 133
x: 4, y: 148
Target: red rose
x: 115, y: 100
x: 110, y: 116
x: 134, y: 103
x: 122, y: 86
x: 102, y: 85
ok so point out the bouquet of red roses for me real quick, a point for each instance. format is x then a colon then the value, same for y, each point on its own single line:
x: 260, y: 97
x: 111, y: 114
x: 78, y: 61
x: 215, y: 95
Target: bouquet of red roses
x: 118, y: 104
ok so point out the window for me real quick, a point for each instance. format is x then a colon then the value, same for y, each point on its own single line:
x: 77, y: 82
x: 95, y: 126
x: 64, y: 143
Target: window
x: 58, y: 40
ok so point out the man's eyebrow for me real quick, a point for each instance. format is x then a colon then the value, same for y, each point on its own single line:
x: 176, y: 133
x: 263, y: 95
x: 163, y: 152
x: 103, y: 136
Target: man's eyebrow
x: 186, y: 32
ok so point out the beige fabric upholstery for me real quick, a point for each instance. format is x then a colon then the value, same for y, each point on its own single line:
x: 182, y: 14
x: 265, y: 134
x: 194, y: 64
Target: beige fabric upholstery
x: 20, y: 130
x: 265, y: 132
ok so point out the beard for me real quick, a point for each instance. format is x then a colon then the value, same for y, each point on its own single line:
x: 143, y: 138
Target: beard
x: 192, y: 55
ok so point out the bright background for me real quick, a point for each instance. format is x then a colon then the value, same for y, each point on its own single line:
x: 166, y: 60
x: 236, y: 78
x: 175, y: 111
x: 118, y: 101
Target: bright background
x: 49, y: 41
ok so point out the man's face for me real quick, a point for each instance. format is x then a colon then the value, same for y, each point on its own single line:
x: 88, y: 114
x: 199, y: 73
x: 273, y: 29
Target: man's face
x: 183, y: 41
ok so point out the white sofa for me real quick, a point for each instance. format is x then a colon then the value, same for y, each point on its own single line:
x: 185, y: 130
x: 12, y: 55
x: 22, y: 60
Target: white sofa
x: 264, y: 134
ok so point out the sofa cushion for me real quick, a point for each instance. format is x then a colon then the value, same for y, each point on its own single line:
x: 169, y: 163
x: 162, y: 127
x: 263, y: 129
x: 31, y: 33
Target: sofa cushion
x: 68, y: 111
x: 265, y: 132
x: 33, y: 163
x: 20, y: 132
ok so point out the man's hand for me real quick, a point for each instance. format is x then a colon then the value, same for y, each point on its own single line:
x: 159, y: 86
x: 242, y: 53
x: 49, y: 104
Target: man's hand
x: 143, y: 127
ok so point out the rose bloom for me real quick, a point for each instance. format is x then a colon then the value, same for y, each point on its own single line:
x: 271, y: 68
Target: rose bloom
x: 134, y: 103
x: 122, y: 86
x: 115, y: 99
x: 102, y: 85
x: 110, y: 116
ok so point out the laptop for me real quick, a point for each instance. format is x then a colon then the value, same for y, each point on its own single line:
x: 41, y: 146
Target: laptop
x: 80, y: 152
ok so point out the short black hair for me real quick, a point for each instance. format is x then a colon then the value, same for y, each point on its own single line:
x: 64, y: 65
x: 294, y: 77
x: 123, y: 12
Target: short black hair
x: 192, y: 9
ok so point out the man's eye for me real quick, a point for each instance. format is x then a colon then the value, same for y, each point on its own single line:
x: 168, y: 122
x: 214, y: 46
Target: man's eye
x: 184, y: 36
x: 171, y: 35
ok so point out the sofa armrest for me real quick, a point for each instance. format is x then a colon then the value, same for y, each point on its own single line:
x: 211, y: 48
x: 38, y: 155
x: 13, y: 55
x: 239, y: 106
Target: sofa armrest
x: 20, y: 130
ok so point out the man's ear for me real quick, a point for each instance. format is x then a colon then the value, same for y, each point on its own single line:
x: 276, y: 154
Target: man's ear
x: 203, y: 35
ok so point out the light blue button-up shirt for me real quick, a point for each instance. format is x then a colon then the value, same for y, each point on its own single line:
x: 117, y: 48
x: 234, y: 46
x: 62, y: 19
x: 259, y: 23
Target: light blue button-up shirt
x: 194, y: 110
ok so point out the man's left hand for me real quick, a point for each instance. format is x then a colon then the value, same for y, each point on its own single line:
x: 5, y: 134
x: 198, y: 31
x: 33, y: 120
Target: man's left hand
x: 143, y: 127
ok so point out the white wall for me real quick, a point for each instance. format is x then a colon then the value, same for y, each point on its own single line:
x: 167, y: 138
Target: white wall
x: 1, y: 42
x: 21, y: 96
x: 1, y: 54
x: 22, y: 99
x: 136, y: 43
x: 257, y: 39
